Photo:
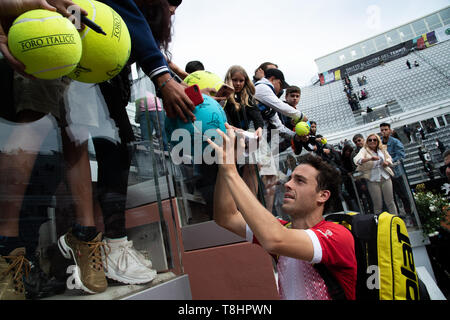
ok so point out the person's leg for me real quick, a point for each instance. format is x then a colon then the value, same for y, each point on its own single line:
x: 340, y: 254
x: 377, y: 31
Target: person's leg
x: 400, y: 189
x: 376, y: 196
x: 161, y: 118
x: 114, y: 161
x: 78, y: 173
x: 83, y: 244
x: 16, y: 163
x: 145, y: 135
x: 388, y: 195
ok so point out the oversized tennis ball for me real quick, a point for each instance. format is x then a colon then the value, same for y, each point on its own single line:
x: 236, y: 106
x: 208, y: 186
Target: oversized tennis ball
x: 103, y: 57
x: 209, y: 117
x: 47, y: 43
x: 324, y: 141
x: 302, y: 128
x: 204, y: 79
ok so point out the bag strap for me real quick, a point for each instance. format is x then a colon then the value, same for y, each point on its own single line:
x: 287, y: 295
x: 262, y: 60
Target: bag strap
x: 334, y: 287
x: 338, y: 217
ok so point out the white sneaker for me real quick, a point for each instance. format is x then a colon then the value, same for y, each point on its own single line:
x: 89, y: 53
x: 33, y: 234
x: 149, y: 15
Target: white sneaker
x: 125, y: 264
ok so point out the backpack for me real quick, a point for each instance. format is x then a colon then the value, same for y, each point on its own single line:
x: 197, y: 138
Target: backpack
x: 266, y: 112
x: 385, y: 262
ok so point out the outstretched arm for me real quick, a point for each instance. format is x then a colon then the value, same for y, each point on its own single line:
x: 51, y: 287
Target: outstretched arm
x: 271, y: 234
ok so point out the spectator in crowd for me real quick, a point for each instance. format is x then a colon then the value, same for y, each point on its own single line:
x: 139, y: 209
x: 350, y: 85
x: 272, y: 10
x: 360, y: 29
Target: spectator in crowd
x: 359, y: 81
x: 416, y: 64
x: 407, y: 132
x: 292, y: 98
x: 408, y: 64
x: 420, y: 133
x: 440, y: 145
x: 260, y: 72
x: 360, y: 181
x: 309, y: 192
x: 363, y: 95
x: 313, y: 128
x: 374, y: 162
x: 154, y: 120
x: 396, y: 150
x: 311, y: 142
x: 353, y: 102
x: 430, y: 128
x: 193, y: 66
x: 427, y: 162
x: 364, y: 80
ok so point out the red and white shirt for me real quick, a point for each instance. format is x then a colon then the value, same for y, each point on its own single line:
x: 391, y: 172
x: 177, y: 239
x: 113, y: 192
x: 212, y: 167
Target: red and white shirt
x: 334, y: 247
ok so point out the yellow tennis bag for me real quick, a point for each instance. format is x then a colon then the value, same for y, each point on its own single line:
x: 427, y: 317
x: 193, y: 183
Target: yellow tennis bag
x: 386, y: 269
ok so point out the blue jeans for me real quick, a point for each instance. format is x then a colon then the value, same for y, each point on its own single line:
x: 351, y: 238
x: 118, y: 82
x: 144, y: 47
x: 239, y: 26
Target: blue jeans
x: 153, y: 116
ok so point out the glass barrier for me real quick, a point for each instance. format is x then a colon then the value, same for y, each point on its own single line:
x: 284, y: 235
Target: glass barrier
x: 87, y: 206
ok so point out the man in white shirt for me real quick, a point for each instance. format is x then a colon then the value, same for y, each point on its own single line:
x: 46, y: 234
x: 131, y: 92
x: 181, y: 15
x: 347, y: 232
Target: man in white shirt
x: 266, y: 92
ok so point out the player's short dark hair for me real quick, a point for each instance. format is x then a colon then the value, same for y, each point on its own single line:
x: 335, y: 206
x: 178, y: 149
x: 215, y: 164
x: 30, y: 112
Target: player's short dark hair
x: 328, y: 177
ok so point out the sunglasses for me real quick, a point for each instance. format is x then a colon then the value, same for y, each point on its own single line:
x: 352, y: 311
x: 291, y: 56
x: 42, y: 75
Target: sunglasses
x: 372, y: 140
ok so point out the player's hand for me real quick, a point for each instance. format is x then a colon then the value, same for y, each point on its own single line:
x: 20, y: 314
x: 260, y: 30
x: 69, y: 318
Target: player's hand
x: 227, y: 153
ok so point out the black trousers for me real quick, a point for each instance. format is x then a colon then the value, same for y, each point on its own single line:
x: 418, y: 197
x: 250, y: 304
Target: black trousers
x: 114, y: 160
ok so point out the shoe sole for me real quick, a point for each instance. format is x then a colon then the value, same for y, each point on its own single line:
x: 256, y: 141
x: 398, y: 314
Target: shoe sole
x: 114, y: 276
x: 74, y: 281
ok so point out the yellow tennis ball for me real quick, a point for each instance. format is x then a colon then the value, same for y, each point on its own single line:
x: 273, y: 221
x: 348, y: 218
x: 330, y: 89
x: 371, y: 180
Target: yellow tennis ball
x: 47, y: 43
x: 204, y: 79
x: 103, y: 57
x: 324, y: 141
x: 302, y: 128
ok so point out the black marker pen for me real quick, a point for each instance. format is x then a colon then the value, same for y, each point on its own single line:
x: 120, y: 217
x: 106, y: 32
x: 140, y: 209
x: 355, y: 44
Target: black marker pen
x: 91, y: 24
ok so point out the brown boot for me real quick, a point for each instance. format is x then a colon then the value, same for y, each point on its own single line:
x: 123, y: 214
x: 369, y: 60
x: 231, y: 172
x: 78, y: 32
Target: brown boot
x: 12, y: 269
x: 87, y: 273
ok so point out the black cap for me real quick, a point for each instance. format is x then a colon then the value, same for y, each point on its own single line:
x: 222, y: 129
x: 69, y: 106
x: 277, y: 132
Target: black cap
x: 175, y: 3
x: 278, y: 75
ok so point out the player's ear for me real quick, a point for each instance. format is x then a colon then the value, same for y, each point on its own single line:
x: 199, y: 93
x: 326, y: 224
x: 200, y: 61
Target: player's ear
x: 323, y: 196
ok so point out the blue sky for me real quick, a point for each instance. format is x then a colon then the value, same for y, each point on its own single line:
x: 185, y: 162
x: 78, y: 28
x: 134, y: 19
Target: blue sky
x: 291, y: 33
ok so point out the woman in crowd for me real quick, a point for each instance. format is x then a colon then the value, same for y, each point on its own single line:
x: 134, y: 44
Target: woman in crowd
x: 374, y: 162
x: 241, y: 110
